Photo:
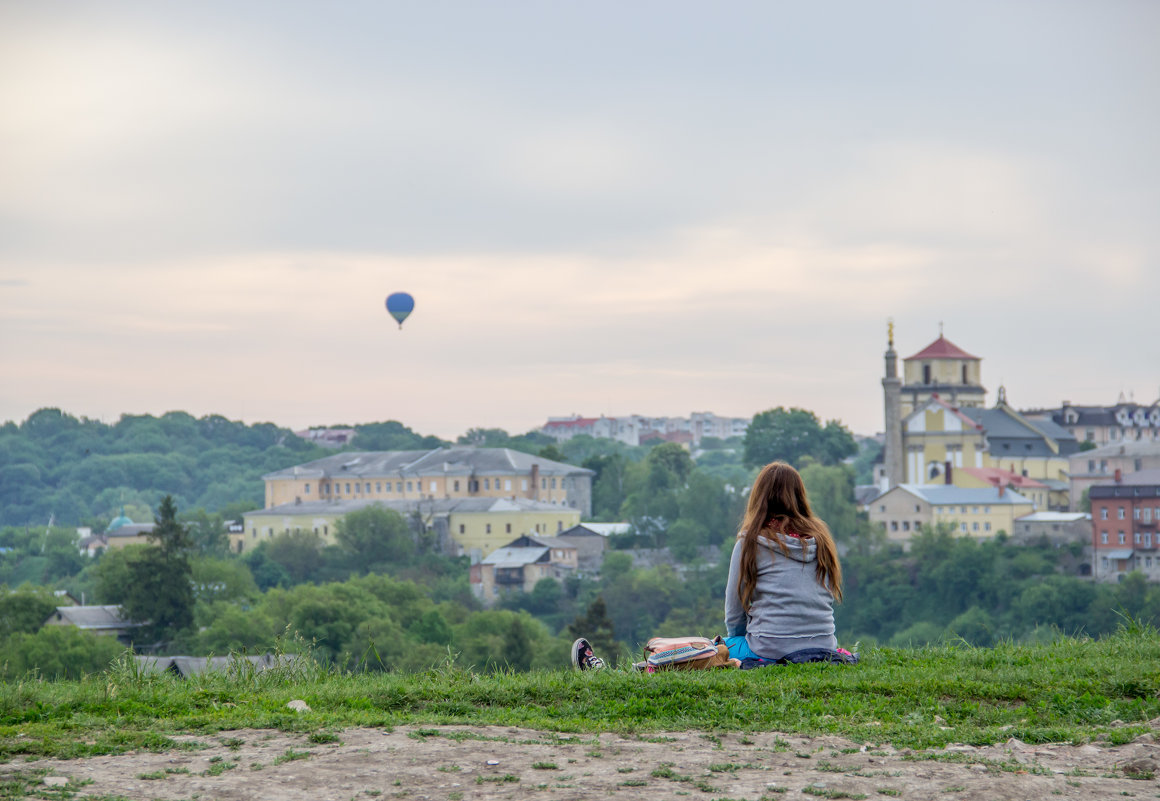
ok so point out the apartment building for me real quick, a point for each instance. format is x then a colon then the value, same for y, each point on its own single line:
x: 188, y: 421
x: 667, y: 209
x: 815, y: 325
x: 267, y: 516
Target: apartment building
x: 1126, y: 526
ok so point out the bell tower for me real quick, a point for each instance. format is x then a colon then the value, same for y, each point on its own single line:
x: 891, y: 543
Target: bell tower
x: 892, y: 456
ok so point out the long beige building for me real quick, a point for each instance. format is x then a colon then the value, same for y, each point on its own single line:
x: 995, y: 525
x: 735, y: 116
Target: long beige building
x: 442, y: 473
x: 471, y: 527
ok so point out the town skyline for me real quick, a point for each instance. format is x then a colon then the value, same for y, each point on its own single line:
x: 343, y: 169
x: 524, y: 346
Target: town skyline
x: 204, y: 208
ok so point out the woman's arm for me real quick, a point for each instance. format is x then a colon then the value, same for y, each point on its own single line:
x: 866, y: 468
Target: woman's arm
x: 735, y: 618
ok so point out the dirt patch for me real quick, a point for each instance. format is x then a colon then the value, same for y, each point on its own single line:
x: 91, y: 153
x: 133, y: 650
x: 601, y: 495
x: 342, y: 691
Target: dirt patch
x: 456, y: 762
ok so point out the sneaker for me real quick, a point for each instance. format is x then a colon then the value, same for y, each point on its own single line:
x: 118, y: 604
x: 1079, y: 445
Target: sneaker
x: 582, y: 657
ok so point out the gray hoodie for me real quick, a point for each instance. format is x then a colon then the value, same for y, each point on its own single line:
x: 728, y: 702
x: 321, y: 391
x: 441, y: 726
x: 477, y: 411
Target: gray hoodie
x: 790, y: 609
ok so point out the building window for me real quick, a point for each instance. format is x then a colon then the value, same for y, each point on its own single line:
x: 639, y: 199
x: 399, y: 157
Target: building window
x: 882, y: 508
x: 975, y: 526
x: 523, y: 484
x: 974, y: 510
x: 1103, y: 538
x: 1147, y: 514
x: 926, y: 374
x: 986, y: 527
x: 507, y: 484
x: 553, y: 483
x: 987, y: 510
x: 543, y: 483
x: 379, y: 486
x: 894, y: 525
x: 457, y: 485
x: 1122, y: 539
x: 432, y: 486
x: 348, y: 488
x: 559, y: 525
x: 308, y: 488
x: 368, y: 487
x: 488, y: 528
x: 408, y: 486
x: 1136, y: 513
x: 962, y: 527
x: 906, y: 525
x: 507, y: 527
x: 1104, y: 513
x: 1139, y: 539
x: 917, y: 508
x: 325, y: 531
x: 462, y: 529
x: 1120, y: 513
x: 962, y: 510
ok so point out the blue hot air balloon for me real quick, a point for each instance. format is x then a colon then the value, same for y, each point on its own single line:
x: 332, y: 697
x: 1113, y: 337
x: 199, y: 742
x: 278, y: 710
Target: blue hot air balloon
x: 400, y: 305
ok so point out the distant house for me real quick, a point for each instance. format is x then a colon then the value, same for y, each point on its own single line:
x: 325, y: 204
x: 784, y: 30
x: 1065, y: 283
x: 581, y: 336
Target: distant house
x: 1057, y: 528
x: 1125, y: 522
x: 186, y: 666
x: 591, y: 541
x: 106, y: 621
x: 520, y: 565
x: 980, y: 512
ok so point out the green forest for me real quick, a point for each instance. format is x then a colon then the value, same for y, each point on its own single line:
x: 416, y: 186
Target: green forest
x: 383, y: 599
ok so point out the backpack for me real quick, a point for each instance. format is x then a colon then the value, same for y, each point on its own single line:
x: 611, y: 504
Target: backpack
x: 684, y: 653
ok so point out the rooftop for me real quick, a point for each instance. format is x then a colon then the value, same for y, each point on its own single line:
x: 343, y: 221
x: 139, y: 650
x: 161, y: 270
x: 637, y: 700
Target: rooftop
x: 437, y: 506
x: 1054, y: 517
x: 941, y: 348
x: 944, y: 495
x: 454, y: 460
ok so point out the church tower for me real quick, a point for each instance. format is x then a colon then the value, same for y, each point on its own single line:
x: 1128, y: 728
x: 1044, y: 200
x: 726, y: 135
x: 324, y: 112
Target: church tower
x: 892, y: 455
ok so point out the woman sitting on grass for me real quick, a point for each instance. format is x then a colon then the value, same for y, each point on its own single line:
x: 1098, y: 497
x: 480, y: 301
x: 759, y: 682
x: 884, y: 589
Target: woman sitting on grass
x: 784, y: 577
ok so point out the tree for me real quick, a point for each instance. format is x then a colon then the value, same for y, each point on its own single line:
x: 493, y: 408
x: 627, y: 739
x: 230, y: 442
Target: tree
x: 831, y: 493
x: 160, y: 592
x: 58, y: 652
x: 375, y: 536
x: 551, y: 452
x: 790, y: 435
x: 24, y: 610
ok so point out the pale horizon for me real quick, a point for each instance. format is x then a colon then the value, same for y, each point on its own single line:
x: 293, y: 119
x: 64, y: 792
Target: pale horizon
x: 615, y: 209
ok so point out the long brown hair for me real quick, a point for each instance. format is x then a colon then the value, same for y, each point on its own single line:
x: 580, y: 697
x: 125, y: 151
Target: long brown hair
x: 778, y: 506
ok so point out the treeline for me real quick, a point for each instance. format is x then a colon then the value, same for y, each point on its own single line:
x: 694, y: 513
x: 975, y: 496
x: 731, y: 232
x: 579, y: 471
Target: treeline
x: 80, y: 471
x: 954, y: 588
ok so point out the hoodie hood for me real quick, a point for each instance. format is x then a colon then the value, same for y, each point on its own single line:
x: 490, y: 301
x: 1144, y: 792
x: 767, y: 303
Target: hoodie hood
x: 797, y: 548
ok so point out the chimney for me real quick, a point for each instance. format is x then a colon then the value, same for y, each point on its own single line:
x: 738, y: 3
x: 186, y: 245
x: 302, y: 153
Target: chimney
x: 949, y: 472
x: 1002, y: 487
x: 1119, y: 475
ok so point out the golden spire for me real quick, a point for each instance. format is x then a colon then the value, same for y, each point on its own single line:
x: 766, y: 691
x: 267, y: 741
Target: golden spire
x: 890, y: 331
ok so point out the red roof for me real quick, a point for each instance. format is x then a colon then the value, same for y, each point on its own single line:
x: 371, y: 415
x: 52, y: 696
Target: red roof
x: 581, y: 422
x: 995, y: 475
x: 941, y: 348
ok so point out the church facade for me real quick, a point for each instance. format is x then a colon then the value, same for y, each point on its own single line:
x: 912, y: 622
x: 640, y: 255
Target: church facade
x: 939, y: 430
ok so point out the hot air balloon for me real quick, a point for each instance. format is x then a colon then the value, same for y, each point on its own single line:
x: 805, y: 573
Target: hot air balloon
x: 400, y: 305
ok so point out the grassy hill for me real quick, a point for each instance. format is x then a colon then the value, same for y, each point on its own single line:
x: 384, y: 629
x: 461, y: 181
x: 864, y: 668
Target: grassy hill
x: 1072, y: 690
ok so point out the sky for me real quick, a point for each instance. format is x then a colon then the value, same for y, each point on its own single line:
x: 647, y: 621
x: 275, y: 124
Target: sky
x: 600, y: 208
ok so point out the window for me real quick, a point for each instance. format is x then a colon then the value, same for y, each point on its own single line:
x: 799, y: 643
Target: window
x: 987, y: 510
x: 523, y: 484
x: 882, y: 508
x: 408, y: 486
x: 456, y: 485
x: 487, y: 483
x: 917, y: 508
x: 962, y: 510
x: 348, y: 488
x: 307, y: 487
x: 559, y: 526
x: 488, y: 528
x: 553, y: 483
x: 894, y: 525
x: 325, y: 531
x: 462, y: 529
x: 906, y: 525
x: 507, y: 485
x: 1091, y: 465
x: 379, y: 486
x: 926, y: 374
x: 507, y: 528
x: 1104, y: 513
x: 1103, y: 538
x: 368, y: 487
x: 964, y: 374
x: 1120, y: 513
x: 986, y: 527
x: 432, y: 486
x: 1122, y: 539
x: 962, y: 526
x: 1147, y: 514
x: 1139, y: 539
x: 975, y: 526
x: 974, y: 510
x: 543, y: 483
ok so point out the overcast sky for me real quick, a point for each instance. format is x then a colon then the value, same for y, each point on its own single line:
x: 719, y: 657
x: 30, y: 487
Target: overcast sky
x: 600, y: 207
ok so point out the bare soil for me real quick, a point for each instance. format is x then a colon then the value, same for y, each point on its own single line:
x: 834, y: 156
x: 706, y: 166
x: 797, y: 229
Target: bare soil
x: 456, y: 762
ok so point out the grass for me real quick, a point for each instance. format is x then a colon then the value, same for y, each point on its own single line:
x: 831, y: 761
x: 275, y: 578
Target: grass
x: 1073, y: 690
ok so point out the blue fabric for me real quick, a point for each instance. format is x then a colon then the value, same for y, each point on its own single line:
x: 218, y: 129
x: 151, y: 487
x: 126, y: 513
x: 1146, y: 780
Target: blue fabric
x: 739, y: 648
x: 798, y: 658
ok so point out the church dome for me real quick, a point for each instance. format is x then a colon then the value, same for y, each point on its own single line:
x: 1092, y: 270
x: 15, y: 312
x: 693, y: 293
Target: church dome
x: 118, y: 521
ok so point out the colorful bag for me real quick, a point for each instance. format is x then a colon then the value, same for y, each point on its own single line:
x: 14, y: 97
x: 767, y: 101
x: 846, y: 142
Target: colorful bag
x: 685, y: 653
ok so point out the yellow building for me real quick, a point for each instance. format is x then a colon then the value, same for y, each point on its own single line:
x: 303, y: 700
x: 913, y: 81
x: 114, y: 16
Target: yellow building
x: 465, y: 526
x: 442, y: 473
x: 978, y: 513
